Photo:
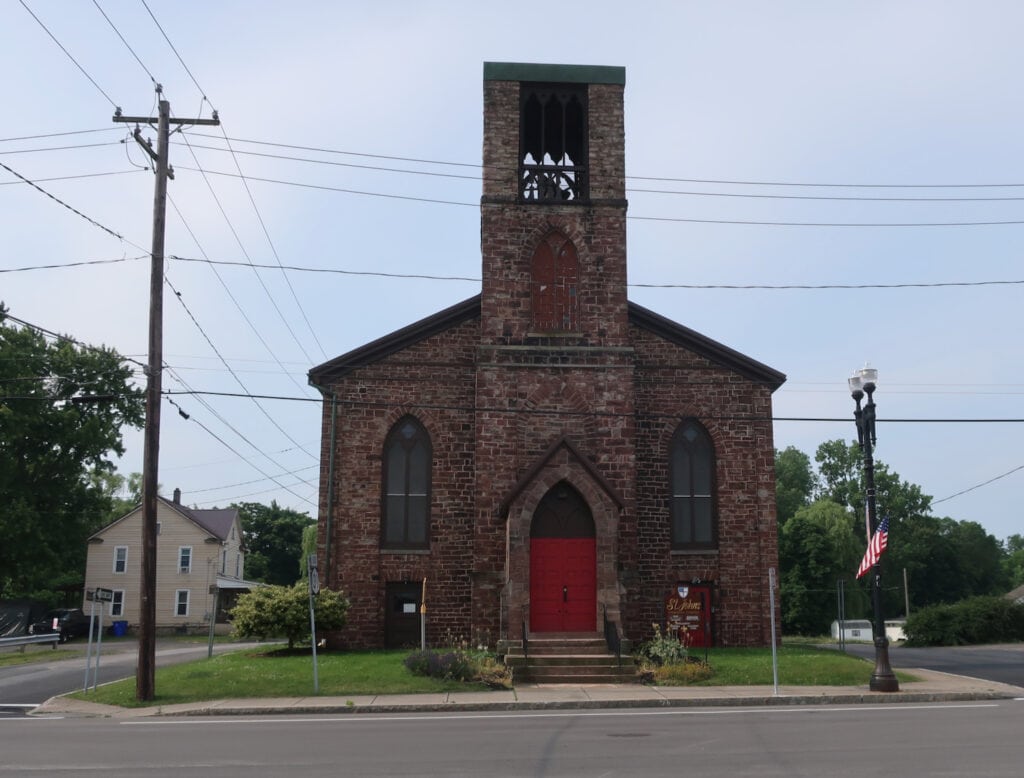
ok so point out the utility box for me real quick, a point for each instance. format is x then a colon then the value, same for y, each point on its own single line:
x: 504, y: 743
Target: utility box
x: 854, y: 630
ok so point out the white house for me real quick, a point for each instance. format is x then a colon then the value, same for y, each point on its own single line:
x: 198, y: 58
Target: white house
x: 197, y: 550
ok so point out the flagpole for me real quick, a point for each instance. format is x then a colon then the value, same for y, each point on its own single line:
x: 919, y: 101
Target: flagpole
x: 863, y: 383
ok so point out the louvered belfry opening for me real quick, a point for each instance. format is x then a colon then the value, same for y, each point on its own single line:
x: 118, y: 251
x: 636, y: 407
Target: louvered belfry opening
x: 553, y: 143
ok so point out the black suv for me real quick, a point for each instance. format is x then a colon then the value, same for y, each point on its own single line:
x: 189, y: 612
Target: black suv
x: 70, y: 622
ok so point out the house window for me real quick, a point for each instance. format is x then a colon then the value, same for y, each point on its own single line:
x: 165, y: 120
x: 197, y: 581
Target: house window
x: 238, y: 565
x: 185, y: 559
x: 117, y: 603
x: 555, y: 279
x: 223, y: 561
x: 181, y: 602
x: 553, y: 143
x: 406, y: 509
x: 120, y: 559
x: 691, y: 484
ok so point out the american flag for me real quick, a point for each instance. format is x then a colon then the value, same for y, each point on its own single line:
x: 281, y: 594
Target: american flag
x: 875, y: 548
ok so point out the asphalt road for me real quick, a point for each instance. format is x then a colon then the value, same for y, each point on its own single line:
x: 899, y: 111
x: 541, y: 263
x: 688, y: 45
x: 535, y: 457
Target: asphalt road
x: 1001, y: 663
x: 981, y: 738
x: 24, y: 686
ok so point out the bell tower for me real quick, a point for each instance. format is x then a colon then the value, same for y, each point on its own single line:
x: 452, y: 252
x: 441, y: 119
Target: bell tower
x: 553, y: 229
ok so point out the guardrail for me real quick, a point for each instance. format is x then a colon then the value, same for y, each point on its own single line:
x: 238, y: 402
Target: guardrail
x: 26, y: 640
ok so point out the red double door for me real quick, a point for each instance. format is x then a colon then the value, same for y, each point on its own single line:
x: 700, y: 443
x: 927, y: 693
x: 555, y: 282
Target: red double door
x: 563, y: 565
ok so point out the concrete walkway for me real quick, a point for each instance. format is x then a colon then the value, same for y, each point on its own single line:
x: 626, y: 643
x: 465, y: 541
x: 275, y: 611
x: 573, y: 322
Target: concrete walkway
x: 932, y: 687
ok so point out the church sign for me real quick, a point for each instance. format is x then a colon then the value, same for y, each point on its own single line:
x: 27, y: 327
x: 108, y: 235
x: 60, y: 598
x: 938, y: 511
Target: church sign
x: 688, y: 614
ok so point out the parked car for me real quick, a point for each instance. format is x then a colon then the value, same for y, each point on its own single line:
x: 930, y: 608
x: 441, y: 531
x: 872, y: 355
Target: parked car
x: 70, y: 622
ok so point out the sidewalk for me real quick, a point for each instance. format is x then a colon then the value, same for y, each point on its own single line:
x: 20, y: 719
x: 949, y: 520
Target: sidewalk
x: 932, y: 687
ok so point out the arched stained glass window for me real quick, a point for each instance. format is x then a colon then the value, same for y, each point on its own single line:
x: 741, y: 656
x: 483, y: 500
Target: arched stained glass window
x: 406, y: 508
x: 692, y: 488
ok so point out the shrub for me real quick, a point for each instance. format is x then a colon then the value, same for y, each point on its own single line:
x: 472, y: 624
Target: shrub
x: 681, y: 674
x: 976, y: 620
x: 663, y: 649
x: 283, y: 611
x: 460, y: 665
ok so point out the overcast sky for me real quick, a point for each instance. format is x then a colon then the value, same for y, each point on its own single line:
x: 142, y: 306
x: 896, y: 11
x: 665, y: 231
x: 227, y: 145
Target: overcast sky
x: 794, y: 144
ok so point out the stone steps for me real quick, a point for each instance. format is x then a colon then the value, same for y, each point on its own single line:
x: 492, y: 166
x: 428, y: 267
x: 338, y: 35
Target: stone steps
x: 572, y: 658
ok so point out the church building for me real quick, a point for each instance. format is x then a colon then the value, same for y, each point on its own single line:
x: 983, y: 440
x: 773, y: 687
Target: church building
x: 547, y: 456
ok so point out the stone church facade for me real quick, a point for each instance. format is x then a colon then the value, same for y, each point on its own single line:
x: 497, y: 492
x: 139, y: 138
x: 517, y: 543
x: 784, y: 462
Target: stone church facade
x: 547, y: 456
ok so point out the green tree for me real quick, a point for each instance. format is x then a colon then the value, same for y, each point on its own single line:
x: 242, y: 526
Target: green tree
x: 273, y: 542
x: 308, y: 547
x: 62, y: 409
x: 1013, y: 562
x: 283, y: 611
x: 795, y: 482
x: 817, y: 546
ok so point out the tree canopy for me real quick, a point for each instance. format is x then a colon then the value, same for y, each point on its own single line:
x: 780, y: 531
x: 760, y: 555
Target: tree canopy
x: 822, y: 537
x: 273, y: 542
x: 62, y: 409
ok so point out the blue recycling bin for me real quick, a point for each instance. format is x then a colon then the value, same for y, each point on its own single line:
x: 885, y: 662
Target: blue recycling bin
x: 119, y: 629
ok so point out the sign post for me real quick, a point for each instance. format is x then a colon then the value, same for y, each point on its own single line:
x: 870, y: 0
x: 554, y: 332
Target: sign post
x: 99, y: 595
x: 771, y: 608
x: 423, y: 616
x: 314, y: 589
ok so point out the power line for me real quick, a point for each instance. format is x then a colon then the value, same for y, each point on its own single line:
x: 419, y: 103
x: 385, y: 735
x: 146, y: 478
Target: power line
x: 231, y: 296
x: 81, y: 263
x: 71, y: 178
x: 748, y: 222
x: 330, y: 188
x: 69, y: 339
x: 70, y: 208
x: 68, y: 53
x: 57, y: 134
x: 119, y: 35
x: 273, y: 250
x: 753, y: 195
x: 63, y: 148
x: 176, y: 54
x: 978, y: 486
x: 474, y: 279
x: 234, y: 375
x: 732, y: 182
x: 609, y: 414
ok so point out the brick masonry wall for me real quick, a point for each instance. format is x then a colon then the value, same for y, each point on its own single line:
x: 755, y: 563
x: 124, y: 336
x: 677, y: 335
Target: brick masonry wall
x: 672, y: 384
x: 495, y: 396
x: 432, y: 380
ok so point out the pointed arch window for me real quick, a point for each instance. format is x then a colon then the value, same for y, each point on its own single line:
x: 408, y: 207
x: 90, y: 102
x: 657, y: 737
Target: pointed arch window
x: 406, y: 510
x: 692, y: 488
x: 555, y: 280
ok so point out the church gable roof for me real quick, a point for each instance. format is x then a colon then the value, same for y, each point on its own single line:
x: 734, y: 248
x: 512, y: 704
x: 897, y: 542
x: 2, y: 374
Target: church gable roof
x: 470, y: 309
x: 706, y: 347
x: 396, y: 341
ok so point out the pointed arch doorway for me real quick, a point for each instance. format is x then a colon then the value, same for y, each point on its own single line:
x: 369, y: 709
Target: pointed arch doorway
x: 563, y: 563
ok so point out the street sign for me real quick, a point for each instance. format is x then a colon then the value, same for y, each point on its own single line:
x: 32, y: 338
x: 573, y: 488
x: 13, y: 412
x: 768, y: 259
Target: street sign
x: 103, y: 595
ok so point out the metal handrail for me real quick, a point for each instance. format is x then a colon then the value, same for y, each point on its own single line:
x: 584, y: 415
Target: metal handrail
x: 526, y: 649
x: 611, y: 636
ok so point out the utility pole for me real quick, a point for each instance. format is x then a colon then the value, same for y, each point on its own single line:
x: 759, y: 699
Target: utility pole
x: 146, y: 670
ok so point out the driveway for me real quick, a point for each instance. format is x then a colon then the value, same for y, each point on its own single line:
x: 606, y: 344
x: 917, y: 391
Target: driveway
x: 1003, y: 663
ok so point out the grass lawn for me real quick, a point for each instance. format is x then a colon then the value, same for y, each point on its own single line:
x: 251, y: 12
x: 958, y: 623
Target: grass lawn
x: 35, y: 653
x: 799, y: 665
x: 268, y: 671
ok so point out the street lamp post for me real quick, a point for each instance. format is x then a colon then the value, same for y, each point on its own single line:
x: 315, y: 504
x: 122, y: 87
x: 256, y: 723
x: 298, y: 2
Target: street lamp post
x: 862, y: 383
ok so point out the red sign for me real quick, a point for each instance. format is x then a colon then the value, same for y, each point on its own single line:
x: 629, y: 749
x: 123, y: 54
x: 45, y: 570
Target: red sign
x: 688, y: 614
